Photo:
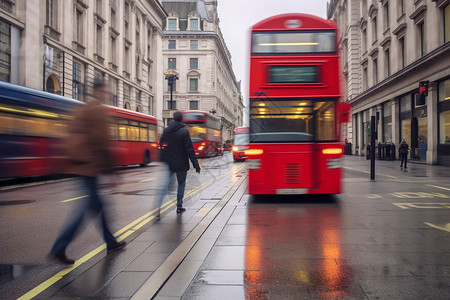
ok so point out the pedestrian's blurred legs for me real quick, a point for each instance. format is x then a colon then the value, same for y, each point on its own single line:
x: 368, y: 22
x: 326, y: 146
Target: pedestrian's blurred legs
x: 403, y: 158
x: 166, y: 176
x: 96, y: 206
x: 181, y: 178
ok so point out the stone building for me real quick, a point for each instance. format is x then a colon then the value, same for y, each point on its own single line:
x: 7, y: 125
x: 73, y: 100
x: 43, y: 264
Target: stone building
x: 387, y: 48
x: 63, y: 46
x: 194, y: 49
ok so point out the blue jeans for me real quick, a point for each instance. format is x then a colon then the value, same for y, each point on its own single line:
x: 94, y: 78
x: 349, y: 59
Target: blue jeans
x: 92, y: 204
x: 181, y: 179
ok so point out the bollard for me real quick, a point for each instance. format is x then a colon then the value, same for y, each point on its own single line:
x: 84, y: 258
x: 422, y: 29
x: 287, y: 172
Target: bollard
x: 392, y: 150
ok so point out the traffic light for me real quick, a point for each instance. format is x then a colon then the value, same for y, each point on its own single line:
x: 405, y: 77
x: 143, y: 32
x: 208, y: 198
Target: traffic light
x: 423, y: 92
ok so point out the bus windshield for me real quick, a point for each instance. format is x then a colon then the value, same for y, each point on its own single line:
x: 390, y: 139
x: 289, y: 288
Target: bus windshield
x: 293, y: 42
x: 292, y: 121
x: 241, y: 139
x: 197, y: 132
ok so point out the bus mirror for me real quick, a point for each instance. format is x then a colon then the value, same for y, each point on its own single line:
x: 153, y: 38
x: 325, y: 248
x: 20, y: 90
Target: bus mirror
x: 344, y: 112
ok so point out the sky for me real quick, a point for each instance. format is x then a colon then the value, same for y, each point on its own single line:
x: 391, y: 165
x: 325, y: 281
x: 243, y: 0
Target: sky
x: 238, y: 16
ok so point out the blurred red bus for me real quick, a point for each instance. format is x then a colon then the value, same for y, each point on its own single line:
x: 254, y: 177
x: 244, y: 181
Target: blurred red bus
x: 240, y: 142
x: 33, y: 128
x: 205, y: 131
x: 295, y: 144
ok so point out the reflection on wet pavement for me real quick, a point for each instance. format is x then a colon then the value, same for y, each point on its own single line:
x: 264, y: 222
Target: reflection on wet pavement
x: 9, y: 272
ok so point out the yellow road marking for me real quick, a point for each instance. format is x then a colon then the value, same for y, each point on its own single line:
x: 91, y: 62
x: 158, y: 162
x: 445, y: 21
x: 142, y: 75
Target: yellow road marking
x: 76, y: 198
x: 422, y: 205
x: 373, y: 196
x: 446, y: 228
x: 439, y: 187
x: 145, y: 180
x: 144, y: 220
x: 5, y: 188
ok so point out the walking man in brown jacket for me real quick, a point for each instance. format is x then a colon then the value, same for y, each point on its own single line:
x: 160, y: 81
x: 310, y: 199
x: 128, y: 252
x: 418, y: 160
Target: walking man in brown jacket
x: 89, y: 154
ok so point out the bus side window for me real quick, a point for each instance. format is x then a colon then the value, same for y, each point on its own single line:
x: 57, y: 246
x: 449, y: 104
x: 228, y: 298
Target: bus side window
x: 113, y: 135
x: 143, y: 134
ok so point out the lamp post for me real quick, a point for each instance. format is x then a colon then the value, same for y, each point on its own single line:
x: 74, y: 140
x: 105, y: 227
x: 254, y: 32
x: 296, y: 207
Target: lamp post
x: 171, y: 76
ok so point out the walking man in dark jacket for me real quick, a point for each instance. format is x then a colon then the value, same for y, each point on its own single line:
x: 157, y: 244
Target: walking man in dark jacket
x: 176, y: 151
x: 403, y: 151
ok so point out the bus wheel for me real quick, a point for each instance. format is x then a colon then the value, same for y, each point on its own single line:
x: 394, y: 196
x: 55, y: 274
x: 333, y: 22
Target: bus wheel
x: 146, y: 159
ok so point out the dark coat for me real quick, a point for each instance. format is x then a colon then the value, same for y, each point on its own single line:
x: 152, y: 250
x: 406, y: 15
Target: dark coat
x: 176, y: 148
x: 88, y: 146
x: 403, y: 148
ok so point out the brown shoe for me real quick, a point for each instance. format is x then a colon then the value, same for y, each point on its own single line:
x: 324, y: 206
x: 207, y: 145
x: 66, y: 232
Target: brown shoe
x: 117, y: 246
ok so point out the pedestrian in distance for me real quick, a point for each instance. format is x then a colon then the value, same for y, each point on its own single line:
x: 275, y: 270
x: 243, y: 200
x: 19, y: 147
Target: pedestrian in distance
x: 89, y: 156
x: 403, y: 150
x: 176, y: 151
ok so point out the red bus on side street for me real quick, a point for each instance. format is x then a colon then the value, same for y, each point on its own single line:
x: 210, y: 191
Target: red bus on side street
x: 205, y: 131
x: 33, y: 129
x: 295, y: 113
x: 240, y: 142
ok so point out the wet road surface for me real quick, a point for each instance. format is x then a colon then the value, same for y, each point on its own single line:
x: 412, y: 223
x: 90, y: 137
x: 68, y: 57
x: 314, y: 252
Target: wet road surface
x: 382, y: 239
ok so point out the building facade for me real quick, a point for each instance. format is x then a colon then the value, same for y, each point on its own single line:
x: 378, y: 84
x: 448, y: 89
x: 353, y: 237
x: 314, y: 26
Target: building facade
x: 387, y: 48
x: 194, y: 49
x: 64, y: 46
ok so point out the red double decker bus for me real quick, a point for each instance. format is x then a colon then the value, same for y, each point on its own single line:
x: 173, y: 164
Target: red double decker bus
x: 205, y: 131
x: 294, y: 111
x: 33, y: 132
x: 240, y: 142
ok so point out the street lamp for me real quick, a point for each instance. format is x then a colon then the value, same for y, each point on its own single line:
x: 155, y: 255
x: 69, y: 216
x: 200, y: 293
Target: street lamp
x: 171, y: 76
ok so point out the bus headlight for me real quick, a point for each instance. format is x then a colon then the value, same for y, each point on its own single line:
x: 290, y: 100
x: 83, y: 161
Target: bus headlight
x: 333, y: 163
x: 201, y: 148
x: 254, y: 164
x: 235, y: 149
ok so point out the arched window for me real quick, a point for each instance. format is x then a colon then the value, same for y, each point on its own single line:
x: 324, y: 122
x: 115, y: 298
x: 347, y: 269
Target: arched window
x: 127, y: 105
x: 53, y: 85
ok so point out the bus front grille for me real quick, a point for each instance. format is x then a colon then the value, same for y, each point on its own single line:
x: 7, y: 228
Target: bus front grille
x: 292, y: 172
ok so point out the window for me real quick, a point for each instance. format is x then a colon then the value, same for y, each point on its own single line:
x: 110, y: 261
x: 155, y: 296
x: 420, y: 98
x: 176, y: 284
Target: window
x: 77, y: 84
x: 193, y: 24
x: 172, y: 44
x: 365, y: 78
x: 193, y: 105
x: 402, y: 52
x: 401, y: 7
x: 172, y: 24
x: 172, y: 63
x: 113, y: 18
x: 374, y: 29
x: 293, y: 42
x: 422, y: 46
x: 138, y: 96
x: 126, y: 28
x: 171, y: 104
x: 126, y: 93
x: 387, y: 63
x: 113, y: 49
x: 194, y: 44
x: 364, y: 40
x: 79, y: 27
x: 98, y: 7
x: 375, y: 71
x: 386, y: 15
x: 5, y: 51
x: 150, y: 105
x: 113, y: 94
x: 447, y: 23
x: 387, y: 122
x: 98, y: 44
x: 193, y: 84
x: 127, y: 10
x: 126, y: 59
x: 193, y: 63
x: 444, y: 112
x: 51, y: 13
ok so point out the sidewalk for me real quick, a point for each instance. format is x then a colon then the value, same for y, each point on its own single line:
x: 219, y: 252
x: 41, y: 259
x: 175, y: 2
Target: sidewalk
x: 154, y: 250
x: 385, y: 170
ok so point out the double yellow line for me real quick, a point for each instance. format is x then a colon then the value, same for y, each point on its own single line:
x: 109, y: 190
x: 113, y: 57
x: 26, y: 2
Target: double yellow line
x: 121, y: 234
